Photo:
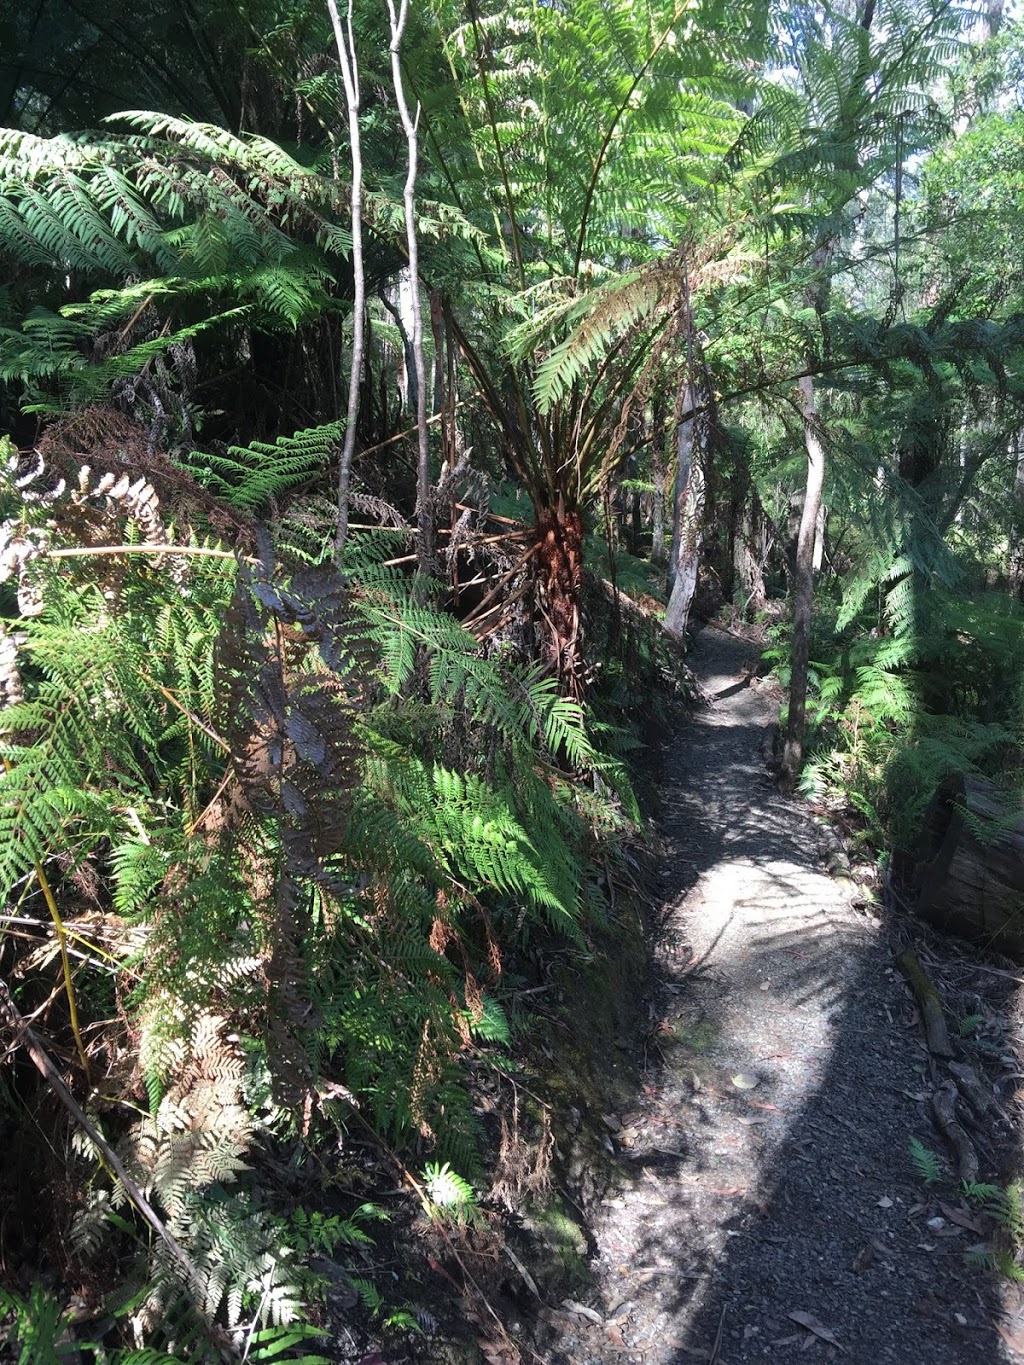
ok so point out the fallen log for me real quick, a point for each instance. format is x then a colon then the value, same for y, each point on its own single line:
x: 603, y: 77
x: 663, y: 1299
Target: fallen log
x: 978, y: 1099
x: 970, y: 870
x: 929, y: 1003
x: 944, y: 1109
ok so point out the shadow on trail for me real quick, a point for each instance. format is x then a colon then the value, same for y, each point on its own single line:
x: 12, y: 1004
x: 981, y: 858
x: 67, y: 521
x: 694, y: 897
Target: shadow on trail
x: 822, y: 1221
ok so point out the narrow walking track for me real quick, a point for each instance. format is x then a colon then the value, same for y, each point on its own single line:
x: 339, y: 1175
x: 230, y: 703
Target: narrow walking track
x: 770, y: 1210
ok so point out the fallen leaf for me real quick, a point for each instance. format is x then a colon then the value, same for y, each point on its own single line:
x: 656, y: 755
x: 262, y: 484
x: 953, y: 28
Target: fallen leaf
x: 744, y: 1081
x: 963, y: 1219
x: 583, y: 1311
x: 610, y: 1121
x: 863, y: 1259
x: 812, y: 1324
x: 885, y: 1202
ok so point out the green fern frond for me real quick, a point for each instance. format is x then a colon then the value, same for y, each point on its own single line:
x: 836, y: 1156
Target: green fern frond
x: 925, y: 1163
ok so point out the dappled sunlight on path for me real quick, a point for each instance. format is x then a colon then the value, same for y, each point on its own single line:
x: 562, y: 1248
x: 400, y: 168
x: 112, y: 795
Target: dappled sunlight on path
x: 767, y: 1213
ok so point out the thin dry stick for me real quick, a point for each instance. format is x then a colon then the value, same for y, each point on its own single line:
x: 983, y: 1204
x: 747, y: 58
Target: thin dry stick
x: 198, y: 551
x: 180, y: 706
x: 200, y: 819
x: 58, y: 925
x: 345, y: 42
x: 9, y: 1012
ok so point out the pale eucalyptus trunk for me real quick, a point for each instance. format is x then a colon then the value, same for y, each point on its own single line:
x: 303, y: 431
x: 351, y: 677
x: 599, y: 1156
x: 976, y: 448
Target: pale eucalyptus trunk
x: 345, y: 41
x: 684, y: 562
x: 410, y: 126
x: 803, y: 583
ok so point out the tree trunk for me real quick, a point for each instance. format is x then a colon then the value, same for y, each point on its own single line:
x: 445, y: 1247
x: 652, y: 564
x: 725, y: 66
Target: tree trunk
x: 803, y: 585
x: 345, y: 41
x: 750, y: 552
x: 559, y: 580
x: 659, y: 559
x: 410, y: 126
x: 684, y: 563
x: 1015, y: 568
x: 970, y: 871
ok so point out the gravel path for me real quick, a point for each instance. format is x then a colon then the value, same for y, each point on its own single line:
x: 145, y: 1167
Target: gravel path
x: 770, y: 1209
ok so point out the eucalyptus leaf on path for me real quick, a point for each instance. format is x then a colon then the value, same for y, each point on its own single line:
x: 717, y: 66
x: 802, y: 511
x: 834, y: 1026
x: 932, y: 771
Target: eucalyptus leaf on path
x: 812, y: 1324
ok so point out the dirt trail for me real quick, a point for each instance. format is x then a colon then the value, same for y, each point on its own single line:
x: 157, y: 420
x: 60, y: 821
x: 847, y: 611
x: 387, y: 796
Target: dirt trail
x: 767, y: 1169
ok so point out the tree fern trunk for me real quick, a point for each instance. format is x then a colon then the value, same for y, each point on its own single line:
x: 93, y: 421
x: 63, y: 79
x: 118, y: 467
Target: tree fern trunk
x: 803, y: 584
x: 559, y: 581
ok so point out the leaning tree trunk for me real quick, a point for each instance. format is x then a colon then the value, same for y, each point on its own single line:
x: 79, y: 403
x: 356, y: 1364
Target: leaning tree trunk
x: 803, y: 584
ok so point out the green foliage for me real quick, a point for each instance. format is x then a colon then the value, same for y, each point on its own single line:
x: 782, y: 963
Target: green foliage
x: 931, y: 691
x: 451, y: 1197
x: 251, y: 478
x: 925, y: 1163
x: 329, y: 814
x: 176, y: 217
x: 1005, y: 1204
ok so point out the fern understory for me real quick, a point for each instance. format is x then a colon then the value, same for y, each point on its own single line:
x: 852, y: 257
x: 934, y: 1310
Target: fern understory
x: 298, y: 825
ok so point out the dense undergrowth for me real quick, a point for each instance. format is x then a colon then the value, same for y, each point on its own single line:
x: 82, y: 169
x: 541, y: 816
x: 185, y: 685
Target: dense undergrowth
x: 901, y: 701
x: 298, y: 825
